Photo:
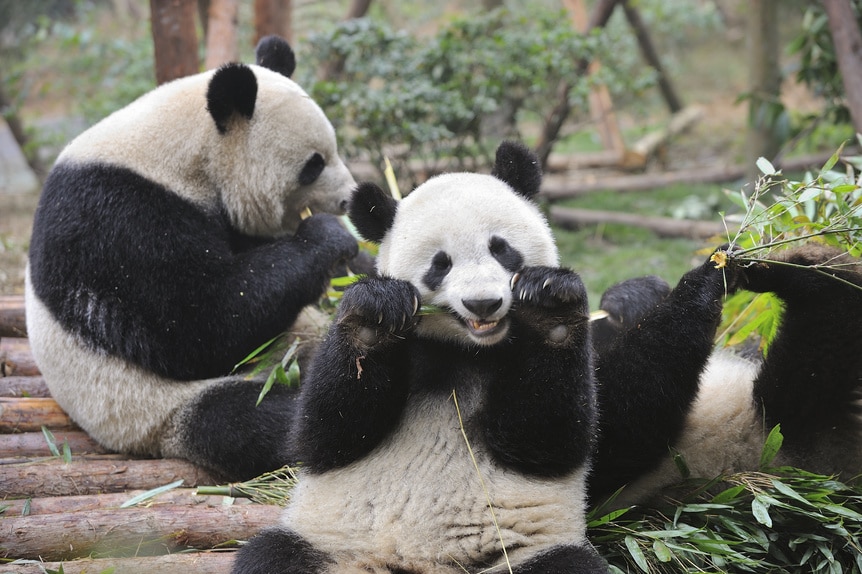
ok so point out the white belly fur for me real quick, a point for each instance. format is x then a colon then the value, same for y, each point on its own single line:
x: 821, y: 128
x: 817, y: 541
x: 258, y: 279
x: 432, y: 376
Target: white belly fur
x: 417, y: 502
x: 121, y: 406
x: 724, y: 432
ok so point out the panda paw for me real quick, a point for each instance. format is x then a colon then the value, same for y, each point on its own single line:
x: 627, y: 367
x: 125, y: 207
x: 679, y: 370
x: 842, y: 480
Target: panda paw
x: 376, y: 310
x: 551, y: 301
x: 329, y: 237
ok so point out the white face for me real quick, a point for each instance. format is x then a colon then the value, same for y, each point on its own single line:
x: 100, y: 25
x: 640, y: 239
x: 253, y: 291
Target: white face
x: 460, y: 238
x: 284, y: 160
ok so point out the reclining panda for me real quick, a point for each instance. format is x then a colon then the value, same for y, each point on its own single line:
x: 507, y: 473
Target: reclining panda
x: 168, y: 245
x: 389, y: 483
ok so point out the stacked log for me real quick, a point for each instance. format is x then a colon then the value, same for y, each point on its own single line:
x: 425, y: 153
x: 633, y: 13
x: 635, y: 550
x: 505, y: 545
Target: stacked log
x: 64, y: 499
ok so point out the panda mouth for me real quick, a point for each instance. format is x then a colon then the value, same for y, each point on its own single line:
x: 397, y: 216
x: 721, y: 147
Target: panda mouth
x: 481, y: 329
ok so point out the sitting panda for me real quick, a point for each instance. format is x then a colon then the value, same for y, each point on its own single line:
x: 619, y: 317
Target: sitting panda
x: 453, y: 441
x: 168, y: 244
x: 662, y: 387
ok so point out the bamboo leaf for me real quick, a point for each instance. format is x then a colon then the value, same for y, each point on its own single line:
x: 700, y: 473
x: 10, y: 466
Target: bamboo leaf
x: 760, y: 510
x: 771, y: 447
x: 151, y: 493
x: 636, y: 553
x: 662, y: 552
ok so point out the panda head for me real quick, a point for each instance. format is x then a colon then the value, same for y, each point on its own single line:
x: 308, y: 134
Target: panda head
x: 275, y: 151
x: 460, y: 238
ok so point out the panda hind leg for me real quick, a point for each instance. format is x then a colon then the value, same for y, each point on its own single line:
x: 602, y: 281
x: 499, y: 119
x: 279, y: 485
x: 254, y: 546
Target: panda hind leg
x: 581, y: 559
x: 225, y: 431
x: 279, y: 551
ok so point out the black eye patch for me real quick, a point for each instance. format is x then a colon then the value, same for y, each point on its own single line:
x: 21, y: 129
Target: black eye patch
x: 441, y: 263
x: 508, y: 256
x: 312, y: 169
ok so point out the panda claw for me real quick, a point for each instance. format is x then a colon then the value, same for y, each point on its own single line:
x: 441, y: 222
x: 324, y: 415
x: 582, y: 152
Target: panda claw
x: 380, y: 318
x: 546, y: 283
x: 415, y: 304
x: 514, y: 280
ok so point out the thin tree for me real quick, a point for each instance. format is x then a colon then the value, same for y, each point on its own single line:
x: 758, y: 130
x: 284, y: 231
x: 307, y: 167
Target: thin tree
x: 174, y: 38
x: 847, y: 39
x: 273, y: 17
x: 333, y: 68
x: 764, y: 79
x: 221, y: 33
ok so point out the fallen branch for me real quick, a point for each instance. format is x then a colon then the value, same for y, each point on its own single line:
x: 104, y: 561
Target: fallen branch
x: 16, y: 358
x: 94, y: 475
x: 34, y: 444
x: 25, y: 414
x: 664, y: 226
x: 23, y: 387
x: 12, y: 321
x: 187, y: 563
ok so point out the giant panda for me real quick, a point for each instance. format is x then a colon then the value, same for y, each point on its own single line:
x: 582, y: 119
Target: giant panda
x: 451, y: 440
x: 168, y: 244
x: 665, y: 392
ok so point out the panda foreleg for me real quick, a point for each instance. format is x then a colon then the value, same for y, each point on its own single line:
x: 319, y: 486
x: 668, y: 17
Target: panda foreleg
x: 541, y: 412
x: 279, y: 551
x: 357, y: 385
x: 649, y: 377
x: 225, y: 431
x: 565, y: 560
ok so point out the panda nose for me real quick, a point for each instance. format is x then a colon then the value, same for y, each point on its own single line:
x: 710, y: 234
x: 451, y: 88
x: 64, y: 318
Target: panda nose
x: 482, y: 307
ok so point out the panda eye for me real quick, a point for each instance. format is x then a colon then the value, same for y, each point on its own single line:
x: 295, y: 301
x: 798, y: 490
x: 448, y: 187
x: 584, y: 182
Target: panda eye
x: 441, y: 263
x: 505, y: 254
x: 312, y: 169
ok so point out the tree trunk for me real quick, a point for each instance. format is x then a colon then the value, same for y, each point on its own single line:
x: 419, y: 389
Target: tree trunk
x: 554, y: 122
x: 649, y: 54
x: 221, y: 33
x: 333, y: 68
x: 69, y: 535
x: 273, y: 17
x: 764, y: 80
x: 848, y: 49
x: 174, y: 38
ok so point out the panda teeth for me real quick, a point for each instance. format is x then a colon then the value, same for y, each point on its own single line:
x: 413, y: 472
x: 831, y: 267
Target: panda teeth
x: 480, y: 326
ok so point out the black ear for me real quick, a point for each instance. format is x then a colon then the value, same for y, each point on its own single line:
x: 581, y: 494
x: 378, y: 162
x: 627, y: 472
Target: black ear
x: 275, y: 53
x: 372, y: 211
x: 518, y: 166
x: 232, y: 90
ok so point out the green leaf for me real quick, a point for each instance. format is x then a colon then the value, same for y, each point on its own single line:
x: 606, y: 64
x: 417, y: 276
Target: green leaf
x: 771, y: 446
x: 636, y: 553
x: 765, y: 166
x: 52, y: 442
x: 833, y: 159
x: 662, y: 552
x: 151, y: 493
x: 760, y: 510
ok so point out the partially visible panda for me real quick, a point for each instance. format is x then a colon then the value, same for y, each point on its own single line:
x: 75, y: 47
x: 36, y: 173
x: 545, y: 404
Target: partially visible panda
x: 662, y: 387
x: 168, y: 245
x: 453, y: 441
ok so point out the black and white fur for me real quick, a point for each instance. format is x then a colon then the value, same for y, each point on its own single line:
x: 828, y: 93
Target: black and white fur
x: 388, y: 483
x: 168, y: 244
x: 662, y: 386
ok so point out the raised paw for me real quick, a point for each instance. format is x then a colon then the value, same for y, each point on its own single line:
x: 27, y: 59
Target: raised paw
x: 550, y: 301
x: 329, y: 237
x: 378, y: 309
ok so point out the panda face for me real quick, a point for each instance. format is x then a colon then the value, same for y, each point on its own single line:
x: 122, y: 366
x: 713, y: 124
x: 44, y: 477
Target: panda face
x: 281, y: 162
x: 460, y: 239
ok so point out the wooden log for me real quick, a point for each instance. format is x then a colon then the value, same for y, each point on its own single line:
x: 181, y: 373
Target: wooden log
x: 94, y: 475
x: 34, y: 444
x: 61, y: 504
x: 157, y: 529
x: 23, y: 387
x: 12, y: 321
x: 25, y: 414
x: 664, y: 226
x: 187, y: 563
x: 648, y: 146
x: 16, y: 358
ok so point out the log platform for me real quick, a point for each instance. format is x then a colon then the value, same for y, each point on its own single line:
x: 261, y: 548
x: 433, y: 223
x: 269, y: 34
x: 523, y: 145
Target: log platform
x: 63, y: 497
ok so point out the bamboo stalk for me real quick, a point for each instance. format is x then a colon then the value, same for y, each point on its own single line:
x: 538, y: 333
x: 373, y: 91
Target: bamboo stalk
x: 34, y: 444
x: 94, y: 475
x: 187, y: 563
x: 25, y: 414
x: 32, y: 386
